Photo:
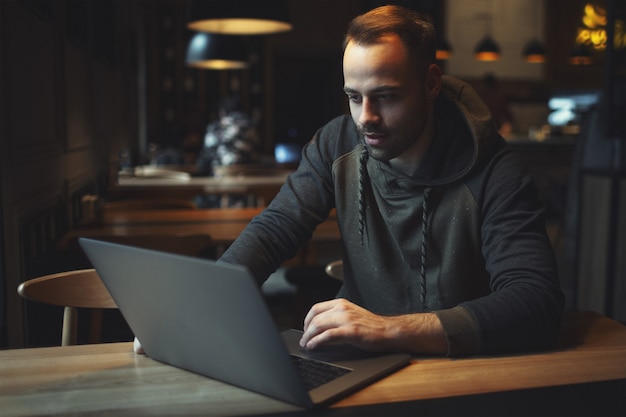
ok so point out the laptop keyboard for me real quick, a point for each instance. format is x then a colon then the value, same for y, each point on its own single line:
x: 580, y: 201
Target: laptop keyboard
x: 315, y: 373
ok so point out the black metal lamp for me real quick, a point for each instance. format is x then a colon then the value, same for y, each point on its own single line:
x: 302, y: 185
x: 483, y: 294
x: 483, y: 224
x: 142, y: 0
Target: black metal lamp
x: 534, y: 52
x: 239, y: 17
x: 215, y: 51
x: 580, y: 55
x: 487, y: 50
x: 444, y: 50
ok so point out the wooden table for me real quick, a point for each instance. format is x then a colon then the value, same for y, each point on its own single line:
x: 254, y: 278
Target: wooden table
x: 263, y: 186
x: 584, y: 375
x: 223, y: 225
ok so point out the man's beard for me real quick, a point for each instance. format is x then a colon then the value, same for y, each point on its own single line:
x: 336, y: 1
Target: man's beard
x: 380, y: 154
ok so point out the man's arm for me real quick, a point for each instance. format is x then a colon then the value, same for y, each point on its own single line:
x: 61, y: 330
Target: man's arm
x: 304, y: 201
x: 523, y: 311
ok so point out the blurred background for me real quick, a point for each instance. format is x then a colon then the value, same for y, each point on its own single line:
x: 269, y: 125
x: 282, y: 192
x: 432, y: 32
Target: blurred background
x: 91, y: 87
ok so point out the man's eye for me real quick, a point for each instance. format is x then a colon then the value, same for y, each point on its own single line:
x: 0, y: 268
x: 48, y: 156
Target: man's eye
x: 354, y: 98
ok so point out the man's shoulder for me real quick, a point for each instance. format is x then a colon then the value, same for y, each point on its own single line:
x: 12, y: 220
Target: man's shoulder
x: 342, y: 124
x: 453, y: 84
x: 339, y: 134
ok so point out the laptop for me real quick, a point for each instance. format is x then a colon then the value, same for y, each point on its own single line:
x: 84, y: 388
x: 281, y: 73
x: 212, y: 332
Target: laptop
x: 211, y: 318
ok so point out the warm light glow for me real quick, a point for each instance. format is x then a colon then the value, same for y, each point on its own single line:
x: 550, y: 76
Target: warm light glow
x: 593, y: 30
x: 595, y: 38
x: 619, y: 35
x: 594, y: 18
x: 580, y: 60
x: 443, y: 54
x: 535, y: 59
x: 487, y: 56
x: 239, y: 26
x: 487, y: 50
x: 534, y: 52
x: 218, y: 64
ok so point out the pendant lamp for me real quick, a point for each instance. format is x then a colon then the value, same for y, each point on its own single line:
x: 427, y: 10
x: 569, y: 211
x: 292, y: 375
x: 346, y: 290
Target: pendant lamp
x: 239, y: 17
x: 487, y: 50
x: 534, y: 52
x: 580, y: 55
x: 444, y: 50
x: 215, y: 51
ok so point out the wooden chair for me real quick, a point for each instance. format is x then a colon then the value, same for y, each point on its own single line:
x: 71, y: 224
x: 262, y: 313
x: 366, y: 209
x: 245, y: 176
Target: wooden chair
x: 84, y: 289
x: 73, y: 289
x: 335, y: 269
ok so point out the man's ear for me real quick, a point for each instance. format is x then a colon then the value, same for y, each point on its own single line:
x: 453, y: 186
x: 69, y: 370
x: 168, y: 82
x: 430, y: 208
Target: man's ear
x: 433, y: 80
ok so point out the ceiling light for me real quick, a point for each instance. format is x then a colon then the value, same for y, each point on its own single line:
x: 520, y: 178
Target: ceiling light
x: 534, y: 52
x: 487, y: 50
x: 214, y: 51
x: 581, y: 55
x: 239, y: 17
x: 444, y: 50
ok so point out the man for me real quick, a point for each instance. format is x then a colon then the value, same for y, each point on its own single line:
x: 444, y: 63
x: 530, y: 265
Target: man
x: 444, y: 244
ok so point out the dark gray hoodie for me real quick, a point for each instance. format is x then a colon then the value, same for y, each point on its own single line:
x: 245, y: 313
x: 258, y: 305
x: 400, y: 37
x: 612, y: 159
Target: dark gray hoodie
x: 464, y: 237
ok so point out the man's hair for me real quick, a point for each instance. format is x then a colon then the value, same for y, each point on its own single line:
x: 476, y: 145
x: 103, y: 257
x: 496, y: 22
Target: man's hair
x: 415, y: 31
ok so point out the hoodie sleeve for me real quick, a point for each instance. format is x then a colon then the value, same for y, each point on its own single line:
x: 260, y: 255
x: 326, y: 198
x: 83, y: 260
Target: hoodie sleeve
x: 523, y: 310
x: 304, y: 201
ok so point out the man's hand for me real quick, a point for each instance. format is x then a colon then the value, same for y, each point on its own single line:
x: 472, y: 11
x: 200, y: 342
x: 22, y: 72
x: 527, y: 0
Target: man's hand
x: 340, y: 321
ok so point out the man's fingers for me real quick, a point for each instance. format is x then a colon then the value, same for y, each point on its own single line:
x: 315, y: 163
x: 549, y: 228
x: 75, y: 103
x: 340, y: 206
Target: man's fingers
x: 325, y: 323
x: 316, y: 310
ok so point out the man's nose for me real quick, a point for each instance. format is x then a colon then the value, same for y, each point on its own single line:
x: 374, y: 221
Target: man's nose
x: 369, y: 113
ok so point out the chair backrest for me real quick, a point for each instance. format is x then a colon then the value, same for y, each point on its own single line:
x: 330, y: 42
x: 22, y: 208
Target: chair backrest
x: 73, y: 289
x: 150, y: 203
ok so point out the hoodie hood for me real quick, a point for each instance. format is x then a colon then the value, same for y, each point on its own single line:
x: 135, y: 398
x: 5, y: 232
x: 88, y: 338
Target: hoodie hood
x: 466, y: 141
x: 460, y: 139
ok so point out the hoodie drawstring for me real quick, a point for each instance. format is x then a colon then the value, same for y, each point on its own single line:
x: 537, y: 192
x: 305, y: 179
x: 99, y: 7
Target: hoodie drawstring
x: 424, y: 249
x: 362, y: 180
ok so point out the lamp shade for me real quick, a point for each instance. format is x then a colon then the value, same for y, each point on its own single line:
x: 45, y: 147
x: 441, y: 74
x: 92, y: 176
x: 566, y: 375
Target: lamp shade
x: 444, y: 50
x: 534, y: 52
x: 487, y: 50
x: 239, y: 17
x: 580, y: 55
x: 214, y: 51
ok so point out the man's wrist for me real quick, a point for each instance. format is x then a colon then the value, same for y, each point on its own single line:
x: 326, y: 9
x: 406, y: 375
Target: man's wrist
x: 417, y: 333
x: 460, y: 330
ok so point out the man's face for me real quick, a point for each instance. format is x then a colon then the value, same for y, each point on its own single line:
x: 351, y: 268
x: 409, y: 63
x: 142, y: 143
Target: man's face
x: 389, y: 100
